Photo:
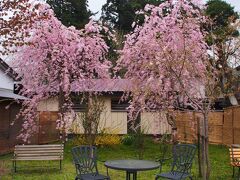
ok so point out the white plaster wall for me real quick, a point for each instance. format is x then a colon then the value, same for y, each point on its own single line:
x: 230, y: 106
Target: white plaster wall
x: 115, y: 122
x: 112, y: 122
x: 5, y: 81
x: 50, y: 104
x: 155, y: 123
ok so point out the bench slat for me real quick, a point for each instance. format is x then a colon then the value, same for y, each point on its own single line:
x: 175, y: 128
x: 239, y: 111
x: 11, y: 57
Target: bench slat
x: 235, y: 157
x: 50, y: 147
x: 37, y: 155
x: 38, y: 146
x: 34, y: 149
x: 39, y: 151
x: 44, y: 145
x: 40, y: 154
x: 234, y: 150
x: 234, y: 154
x: 33, y: 155
x: 38, y: 158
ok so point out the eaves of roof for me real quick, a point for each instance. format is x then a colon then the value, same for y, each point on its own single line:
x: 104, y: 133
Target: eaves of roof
x: 7, y: 70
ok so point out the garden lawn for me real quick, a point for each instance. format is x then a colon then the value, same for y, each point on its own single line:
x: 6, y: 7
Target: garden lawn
x: 49, y: 170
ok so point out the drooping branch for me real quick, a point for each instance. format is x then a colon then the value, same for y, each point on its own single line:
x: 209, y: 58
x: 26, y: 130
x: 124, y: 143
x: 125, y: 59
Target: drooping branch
x: 54, y: 61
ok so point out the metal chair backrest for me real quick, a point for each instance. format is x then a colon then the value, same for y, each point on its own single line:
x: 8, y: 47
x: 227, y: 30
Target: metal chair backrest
x: 183, y: 155
x: 85, y: 159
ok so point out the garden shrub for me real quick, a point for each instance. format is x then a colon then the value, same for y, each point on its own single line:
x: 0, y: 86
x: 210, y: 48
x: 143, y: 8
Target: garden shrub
x: 107, y: 137
x: 79, y: 140
x: 128, y: 139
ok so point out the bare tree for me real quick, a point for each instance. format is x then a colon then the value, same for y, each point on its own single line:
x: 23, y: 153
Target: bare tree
x: 91, y: 117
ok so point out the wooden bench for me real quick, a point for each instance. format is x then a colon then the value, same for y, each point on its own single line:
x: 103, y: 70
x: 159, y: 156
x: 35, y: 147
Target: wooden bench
x: 234, y: 151
x: 38, y: 153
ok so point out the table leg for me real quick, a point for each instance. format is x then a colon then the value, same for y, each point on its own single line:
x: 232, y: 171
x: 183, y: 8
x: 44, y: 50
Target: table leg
x: 128, y: 175
x: 134, y: 175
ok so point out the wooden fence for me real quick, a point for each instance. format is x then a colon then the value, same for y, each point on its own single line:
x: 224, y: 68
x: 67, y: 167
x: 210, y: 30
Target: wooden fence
x: 8, y: 133
x: 224, y: 126
x: 231, y: 126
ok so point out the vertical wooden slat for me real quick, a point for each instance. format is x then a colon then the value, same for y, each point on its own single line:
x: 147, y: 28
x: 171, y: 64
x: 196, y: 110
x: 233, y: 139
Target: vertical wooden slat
x: 4, y: 127
x: 236, y: 125
x: 228, y: 126
x: 8, y: 132
x: 47, y: 127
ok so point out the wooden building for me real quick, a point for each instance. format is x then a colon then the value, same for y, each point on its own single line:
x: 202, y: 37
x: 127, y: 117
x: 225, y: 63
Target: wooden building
x: 115, y: 114
x: 9, y: 108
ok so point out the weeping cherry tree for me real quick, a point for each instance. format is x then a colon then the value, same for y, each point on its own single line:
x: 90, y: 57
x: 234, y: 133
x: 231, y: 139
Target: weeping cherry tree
x: 53, y: 59
x: 167, y: 60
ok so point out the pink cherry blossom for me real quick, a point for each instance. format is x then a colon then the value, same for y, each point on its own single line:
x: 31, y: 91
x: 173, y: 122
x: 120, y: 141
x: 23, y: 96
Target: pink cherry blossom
x: 166, y: 57
x: 55, y: 57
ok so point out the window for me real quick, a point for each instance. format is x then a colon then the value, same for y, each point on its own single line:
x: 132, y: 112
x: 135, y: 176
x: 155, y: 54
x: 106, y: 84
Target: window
x: 78, y: 104
x: 117, y: 105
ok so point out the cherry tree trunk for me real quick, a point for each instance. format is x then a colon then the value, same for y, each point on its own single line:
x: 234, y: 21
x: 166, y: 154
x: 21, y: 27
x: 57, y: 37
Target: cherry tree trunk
x: 199, y: 148
x: 62, y: 114
x: 204, y: 149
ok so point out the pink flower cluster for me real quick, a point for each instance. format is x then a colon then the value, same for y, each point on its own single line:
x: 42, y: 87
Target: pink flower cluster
x: 166, y: 57
x: 56, y: 56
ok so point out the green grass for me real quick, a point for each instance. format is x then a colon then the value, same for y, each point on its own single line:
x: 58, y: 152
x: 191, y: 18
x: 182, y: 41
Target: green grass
x: 49, y: 170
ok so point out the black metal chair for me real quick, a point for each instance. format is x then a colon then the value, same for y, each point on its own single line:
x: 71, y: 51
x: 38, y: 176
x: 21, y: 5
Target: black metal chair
x: 85, y: 160
x: 164, y: 155
x: 183, y: 155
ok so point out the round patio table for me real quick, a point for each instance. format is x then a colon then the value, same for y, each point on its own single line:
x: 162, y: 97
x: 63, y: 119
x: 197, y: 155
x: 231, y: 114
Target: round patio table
x: 131, y: 166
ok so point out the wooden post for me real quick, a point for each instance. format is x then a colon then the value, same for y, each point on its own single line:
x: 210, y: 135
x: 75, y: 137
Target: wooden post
x: 199, y: 147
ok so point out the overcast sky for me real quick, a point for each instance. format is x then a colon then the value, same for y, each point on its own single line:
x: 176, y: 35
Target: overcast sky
x: 96, y: 5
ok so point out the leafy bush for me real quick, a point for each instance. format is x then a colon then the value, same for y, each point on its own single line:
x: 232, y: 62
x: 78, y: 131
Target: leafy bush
x: 106, y: 137
x: 108, y: 140
x: 139, y: 142
x: 79, y: 140
x: 128, y: 139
